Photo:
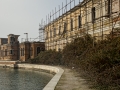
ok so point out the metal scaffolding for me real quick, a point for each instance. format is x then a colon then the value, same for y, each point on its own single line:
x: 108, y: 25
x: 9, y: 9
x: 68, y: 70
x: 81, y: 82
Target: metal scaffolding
x: 94, y: 17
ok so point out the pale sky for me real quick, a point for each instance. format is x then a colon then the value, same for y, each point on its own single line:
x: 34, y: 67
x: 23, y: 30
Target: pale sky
x: 23, y: 16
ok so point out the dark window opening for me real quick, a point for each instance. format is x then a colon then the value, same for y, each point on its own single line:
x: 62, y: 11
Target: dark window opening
x: 93, y: 14
x: 11, y: 52
x: 54, y: 31
x: 79, y: 21
x: 23, y: 51
x: 108, y: 7
x: 12, y: 39
x: 71, y: 24
x: 5, y: 52
x: 31, y: 51
x: 59, y: 30
x: 65, y: 27
x: 38, y: 50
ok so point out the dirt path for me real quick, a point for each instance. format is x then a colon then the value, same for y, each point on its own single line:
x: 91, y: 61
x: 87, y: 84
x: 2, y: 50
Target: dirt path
x: 70, y: 80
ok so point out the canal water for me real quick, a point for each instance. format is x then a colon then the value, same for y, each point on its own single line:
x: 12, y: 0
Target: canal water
x: 18, y: 79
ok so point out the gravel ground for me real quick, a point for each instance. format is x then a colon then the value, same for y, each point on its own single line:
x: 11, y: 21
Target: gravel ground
x: 71, y: 80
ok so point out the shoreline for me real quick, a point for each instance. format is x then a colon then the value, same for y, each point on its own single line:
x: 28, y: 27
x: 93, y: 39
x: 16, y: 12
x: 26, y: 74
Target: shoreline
x: 45, y: 68
x: 64, y: 78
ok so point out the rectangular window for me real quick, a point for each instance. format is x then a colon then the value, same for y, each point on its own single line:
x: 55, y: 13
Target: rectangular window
x: 71, y: 24
x: 31, y: 51
x: 108, y: 7
x: 50, y: 33
x: 59, y: 30
x: 38, y: 50
x: 54, y: 31
x: 11, y: 52
x: 21, y: 51
x: 93, y: 14
x: 65, y: 27
x: 79, y: 21
x: 5, y: 52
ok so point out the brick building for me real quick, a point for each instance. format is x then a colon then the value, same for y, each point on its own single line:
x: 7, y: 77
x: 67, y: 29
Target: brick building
x: 11, y: 49
x: 30, y: 49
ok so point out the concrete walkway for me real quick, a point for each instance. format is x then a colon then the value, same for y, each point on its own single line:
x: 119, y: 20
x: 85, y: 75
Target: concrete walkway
x: 71, y: 80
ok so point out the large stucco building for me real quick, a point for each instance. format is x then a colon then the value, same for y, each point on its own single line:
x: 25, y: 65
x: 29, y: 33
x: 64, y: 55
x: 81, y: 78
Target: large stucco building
x: 95, y: 17
x: 11, y: 49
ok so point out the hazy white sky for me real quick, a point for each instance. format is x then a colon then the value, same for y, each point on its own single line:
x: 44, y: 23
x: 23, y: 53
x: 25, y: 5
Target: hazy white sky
x: 23, y: 16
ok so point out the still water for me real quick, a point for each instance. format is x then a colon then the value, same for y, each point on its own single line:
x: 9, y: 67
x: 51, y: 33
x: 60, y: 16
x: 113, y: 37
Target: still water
x: 18, y: 79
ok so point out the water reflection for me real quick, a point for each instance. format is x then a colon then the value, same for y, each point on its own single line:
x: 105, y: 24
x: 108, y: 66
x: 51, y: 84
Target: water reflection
x: 11, y: 79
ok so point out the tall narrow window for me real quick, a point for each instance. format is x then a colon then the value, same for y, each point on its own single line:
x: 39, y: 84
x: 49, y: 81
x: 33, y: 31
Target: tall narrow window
x: 108, y: 7
x: 54, y: 31
x: 11, y: 52
x: 79, y: 21
x: 65, y: 27
x: 5, y: 52
x: 59, y: 30
x: 31, y: 51
x: 50, y: 33
x: 38, y: 50
x: 23, y: 51
x: 11, y: 38
x: 71, y: 24
x: 93, y: 14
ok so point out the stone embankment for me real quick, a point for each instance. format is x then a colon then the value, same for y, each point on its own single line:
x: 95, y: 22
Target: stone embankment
x: 53, y: 82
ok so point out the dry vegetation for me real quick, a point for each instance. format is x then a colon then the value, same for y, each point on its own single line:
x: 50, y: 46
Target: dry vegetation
x: 101, y: 63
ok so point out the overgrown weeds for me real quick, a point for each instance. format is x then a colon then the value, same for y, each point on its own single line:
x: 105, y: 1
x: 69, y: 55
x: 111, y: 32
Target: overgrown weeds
x: 101, y: 62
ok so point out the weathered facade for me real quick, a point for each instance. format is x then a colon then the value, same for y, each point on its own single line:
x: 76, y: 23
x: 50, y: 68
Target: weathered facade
x: 30, y: 49
x: 11, y: 49
x: 95, y: 17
